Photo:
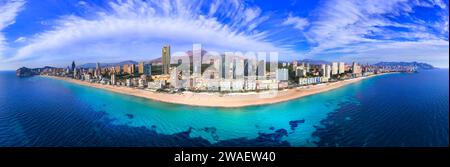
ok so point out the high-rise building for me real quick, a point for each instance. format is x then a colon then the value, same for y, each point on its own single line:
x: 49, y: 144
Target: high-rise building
x: 307, y: 67
x: 294, y: 64
x: 117, y: 69
x: 148, y: 69
x: 341, y: 68
x: 328, y: 71
x: 323, y: 70
x: 283, y: 74
x: 97, y: 70
x: 141, y: 68
x: 132, y: 69
x: 300, y: 72
x: 113, y: 79
x: 334, y: 68
x: 261, y: 69
x: 126, y: 69
x: 73, y: 66
x: 165, y: 59
x: 356, y: 69
x: 75, y: 73
x: 245, y: 67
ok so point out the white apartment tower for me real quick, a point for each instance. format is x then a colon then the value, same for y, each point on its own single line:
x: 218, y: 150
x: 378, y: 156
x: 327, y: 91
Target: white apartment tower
x: 341, y: 69
x: 323, y: 69
x: 334, y: 68
x: 328, y: 71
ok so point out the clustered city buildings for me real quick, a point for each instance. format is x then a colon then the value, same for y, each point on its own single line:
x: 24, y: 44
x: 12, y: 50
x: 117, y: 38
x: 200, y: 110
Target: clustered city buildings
x: 219, y: 74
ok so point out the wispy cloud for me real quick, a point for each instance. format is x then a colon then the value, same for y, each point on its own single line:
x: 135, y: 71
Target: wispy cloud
x: 109, y: 31
x: 355, y: 25
x: 131, y: 24
x: 8, y: 13
x: 297, y: 22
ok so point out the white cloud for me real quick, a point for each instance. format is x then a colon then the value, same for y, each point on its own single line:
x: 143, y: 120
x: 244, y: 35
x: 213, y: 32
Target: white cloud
x: 8, y: 13
x: 297, y: 22
x: 428, y: 51
x: 251, y: 13
x: 360, y: 27
x: 133, y: 26
x: 20, y: 40
x: 82, y: 3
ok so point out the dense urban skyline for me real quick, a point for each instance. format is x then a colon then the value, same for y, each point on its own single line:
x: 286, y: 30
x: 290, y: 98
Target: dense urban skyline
x: 110, y: 31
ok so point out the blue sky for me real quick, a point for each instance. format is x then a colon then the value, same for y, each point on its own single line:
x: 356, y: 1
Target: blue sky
x: 35, y: 33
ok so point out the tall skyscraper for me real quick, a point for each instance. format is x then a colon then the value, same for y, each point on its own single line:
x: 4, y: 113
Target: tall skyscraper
x: 73, y: 66
x: 165, y: 59
x: 245, y: 67
x: 356, y: 69
x: 294, y: 64
x: 141, y: 68
x: 341, y: 68
x: 323, y: 70
x: 97, y: 70
x: 261, y: 69
x: 328, y: 71
x: 113, y: 79
x: 334, y: 68
x: 148, y: 69
x: 307, y: 67
x: 132, y: 69
x: 74, y: 71
x: 283, y: 74
x: 117, y: 69
x: 126, y: 69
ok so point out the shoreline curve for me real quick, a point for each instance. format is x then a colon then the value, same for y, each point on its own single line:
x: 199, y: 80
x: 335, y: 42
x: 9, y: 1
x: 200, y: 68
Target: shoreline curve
x: 230, y: 100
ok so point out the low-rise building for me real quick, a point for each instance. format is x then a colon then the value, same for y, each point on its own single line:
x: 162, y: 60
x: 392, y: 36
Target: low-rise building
x: 250, y: 85
x: 155, y: 85
x: 238, y: 85
x: 225, y: 85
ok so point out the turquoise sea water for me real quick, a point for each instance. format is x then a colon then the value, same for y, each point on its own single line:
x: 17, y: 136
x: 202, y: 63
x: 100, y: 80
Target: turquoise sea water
x: 379, y: 111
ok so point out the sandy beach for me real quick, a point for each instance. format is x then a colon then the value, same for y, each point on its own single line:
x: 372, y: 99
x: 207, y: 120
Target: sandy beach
x: 221, y: 100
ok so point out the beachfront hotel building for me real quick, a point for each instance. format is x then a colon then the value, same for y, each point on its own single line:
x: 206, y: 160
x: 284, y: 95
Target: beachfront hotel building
x: 323, y: 70
x: 356, y: 69
x: 294, y: 64
x: 97, y: 71
x: 126, y: 69
x: 132, y: 69
x: 165, y: 58
x: 328, y: 71
x: 341, y: 68
x: 312, y: 80
x: 283, y: 74
x: 145, y: 68
x: 334, y: 68
x: 148, y: 69
x: 261, y: 69
x: 141, y: 68
x: 113, y: 79
x: 117, y: 69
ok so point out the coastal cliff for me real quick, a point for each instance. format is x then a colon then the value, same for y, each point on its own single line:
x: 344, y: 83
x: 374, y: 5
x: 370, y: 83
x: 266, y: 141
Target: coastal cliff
x: 24, y: 72
x: 27, y: 72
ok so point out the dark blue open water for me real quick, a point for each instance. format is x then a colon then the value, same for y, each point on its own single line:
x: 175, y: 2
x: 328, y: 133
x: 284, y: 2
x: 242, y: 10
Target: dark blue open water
x: 387, y: 110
